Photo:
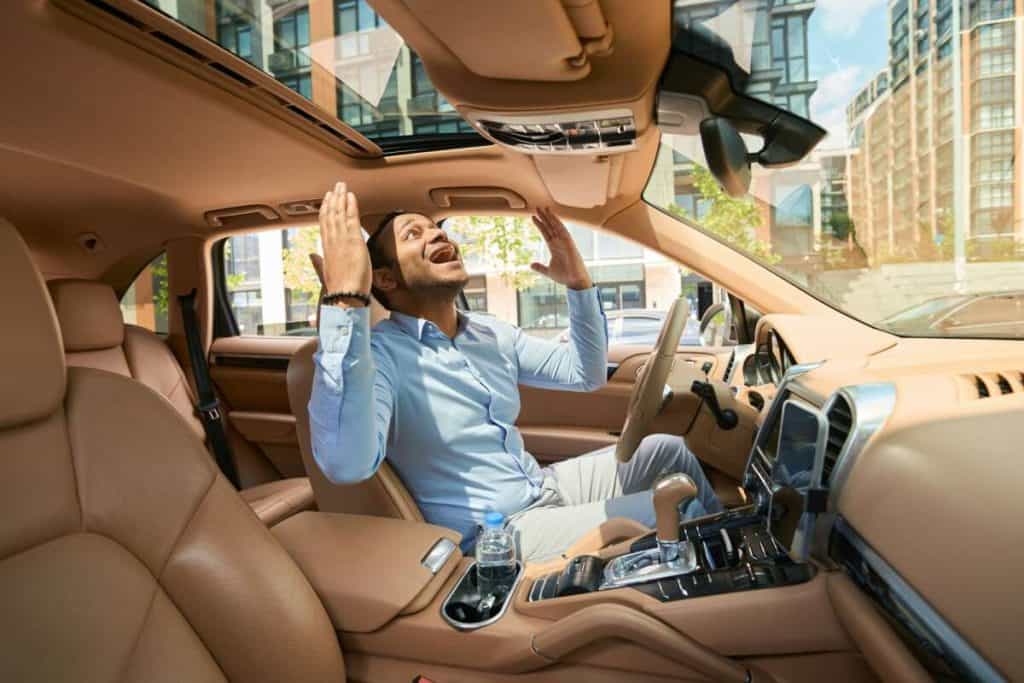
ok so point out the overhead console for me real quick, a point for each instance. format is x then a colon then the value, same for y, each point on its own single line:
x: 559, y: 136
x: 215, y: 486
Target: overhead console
x: 605, y: 131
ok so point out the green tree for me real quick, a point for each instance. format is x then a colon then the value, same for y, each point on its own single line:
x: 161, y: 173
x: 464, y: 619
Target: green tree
x: 507, y: 244
x: 734, y: 220
x: 158, y: 271
x: 233, y: 280
x: 299, y: 275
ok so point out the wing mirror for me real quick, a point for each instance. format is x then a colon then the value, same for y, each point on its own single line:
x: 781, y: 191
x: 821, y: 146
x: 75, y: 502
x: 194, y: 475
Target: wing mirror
x: 727, y: 155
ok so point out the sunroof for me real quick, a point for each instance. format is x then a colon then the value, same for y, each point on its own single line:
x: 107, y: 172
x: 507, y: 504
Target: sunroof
x: 343, y: 57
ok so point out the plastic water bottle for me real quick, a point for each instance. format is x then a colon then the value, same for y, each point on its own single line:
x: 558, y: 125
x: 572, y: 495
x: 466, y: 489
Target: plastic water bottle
x: 495, y: 557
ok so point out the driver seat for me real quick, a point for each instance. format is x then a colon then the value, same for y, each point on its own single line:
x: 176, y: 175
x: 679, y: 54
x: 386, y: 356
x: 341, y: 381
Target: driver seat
x: 124, y: 553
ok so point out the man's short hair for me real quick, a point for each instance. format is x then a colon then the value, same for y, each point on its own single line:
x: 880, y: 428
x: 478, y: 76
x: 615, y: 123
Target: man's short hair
x: 379, y: 257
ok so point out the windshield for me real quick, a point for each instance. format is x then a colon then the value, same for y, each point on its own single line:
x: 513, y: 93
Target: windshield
x: 912, y: 208
x: 339, y: 54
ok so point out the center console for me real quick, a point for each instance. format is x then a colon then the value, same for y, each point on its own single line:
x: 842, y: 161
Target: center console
x: 763, y: 545
x: 732, y: 551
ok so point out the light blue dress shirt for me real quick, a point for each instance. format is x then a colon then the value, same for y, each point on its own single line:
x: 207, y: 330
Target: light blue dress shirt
x: 443, y: 411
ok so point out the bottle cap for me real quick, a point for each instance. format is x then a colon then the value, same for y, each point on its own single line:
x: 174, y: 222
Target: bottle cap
x: 494, y: 519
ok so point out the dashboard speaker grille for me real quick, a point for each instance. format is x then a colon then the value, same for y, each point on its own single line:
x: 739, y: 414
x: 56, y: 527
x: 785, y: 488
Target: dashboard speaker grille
x: 840, y: 422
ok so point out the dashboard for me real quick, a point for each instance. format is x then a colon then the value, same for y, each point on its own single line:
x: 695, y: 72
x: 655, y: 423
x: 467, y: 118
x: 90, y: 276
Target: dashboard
x: 898, y: 462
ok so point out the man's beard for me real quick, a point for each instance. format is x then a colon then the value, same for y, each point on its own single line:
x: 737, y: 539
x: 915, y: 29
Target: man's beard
x: 433, y: 289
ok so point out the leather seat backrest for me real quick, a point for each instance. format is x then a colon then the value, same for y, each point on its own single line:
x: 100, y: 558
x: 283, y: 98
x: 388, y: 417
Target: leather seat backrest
x: 383, y: 495
x: 124, y: 554
x: 95, y: 336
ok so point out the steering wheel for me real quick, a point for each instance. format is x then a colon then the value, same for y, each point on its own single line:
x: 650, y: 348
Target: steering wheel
x: 649, y: 389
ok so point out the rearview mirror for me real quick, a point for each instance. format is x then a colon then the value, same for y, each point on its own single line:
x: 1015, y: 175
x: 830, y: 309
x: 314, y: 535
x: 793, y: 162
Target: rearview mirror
x: 726, y: 154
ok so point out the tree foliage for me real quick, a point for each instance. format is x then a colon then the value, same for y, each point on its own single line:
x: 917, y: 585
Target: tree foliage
x: 506, y: 244
x: 158, y: 271
x: 233, y: 280
x: 734, y: 220
x: 299, y: 275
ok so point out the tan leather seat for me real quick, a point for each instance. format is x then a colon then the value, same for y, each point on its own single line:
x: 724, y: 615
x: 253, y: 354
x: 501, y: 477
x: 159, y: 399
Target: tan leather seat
x: 383, y: 495
x: 95, y: 336
x: 124, y: 554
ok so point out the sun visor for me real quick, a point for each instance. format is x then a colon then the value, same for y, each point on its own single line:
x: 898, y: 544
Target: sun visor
x: 562, y: 36
x: 579, y: 182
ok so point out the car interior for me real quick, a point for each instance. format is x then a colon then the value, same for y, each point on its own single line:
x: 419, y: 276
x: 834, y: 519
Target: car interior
x: 871, y: 476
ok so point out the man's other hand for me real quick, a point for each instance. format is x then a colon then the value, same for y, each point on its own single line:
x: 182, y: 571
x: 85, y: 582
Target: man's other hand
x: 566, y: 266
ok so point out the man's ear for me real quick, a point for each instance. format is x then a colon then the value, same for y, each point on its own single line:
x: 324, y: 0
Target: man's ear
x: 384, y: 280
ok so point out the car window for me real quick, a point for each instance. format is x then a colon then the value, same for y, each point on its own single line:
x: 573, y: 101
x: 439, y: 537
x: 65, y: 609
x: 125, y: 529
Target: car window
x: 916, y: 193
x: 145, y: 301
x: 270, y: 284
x: 498, y: 251
x: 993, y: 310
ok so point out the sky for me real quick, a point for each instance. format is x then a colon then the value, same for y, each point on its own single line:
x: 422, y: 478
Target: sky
x: 847, y: 46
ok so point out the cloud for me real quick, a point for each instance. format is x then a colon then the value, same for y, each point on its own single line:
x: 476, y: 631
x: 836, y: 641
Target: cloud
x: 844, y: 17
x: 828, y: 104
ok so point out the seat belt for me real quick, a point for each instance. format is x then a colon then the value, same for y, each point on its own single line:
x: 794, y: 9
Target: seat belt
x: 208, y: 406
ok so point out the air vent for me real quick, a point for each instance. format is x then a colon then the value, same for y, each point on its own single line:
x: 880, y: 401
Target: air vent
x: 840, y: 422
x: 985, y: 386
x: 728, y: 368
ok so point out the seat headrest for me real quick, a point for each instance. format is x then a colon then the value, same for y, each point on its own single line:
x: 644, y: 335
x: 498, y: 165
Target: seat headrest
x: 89, y: 314
x: 31, y: 353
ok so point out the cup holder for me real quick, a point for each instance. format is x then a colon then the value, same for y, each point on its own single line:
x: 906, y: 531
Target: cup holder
x: 466, y: 609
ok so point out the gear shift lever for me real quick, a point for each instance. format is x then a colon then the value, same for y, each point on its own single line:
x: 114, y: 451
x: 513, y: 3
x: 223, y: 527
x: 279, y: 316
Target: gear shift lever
x: 670, y: 493
x: 672, y: 557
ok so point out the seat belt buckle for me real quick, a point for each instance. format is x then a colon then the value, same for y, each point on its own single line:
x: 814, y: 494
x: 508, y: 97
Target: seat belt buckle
x: 210, y: 411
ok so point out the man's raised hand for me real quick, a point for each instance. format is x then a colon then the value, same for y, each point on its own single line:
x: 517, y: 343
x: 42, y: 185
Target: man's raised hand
x: 346, y: 262
x: 566, y: 266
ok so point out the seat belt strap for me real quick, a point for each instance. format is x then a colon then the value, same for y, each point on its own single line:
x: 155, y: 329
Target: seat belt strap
x: 208, y: 406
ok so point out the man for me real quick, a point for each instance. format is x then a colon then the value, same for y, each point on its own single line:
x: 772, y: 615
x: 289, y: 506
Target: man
x: 436, y: 391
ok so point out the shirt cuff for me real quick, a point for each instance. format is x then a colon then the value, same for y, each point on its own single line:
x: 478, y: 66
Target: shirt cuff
x: 338, y: 325
x: 583, y: 297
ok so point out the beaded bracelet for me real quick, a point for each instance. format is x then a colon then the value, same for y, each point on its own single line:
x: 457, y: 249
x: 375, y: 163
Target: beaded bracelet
x: 333, y: 297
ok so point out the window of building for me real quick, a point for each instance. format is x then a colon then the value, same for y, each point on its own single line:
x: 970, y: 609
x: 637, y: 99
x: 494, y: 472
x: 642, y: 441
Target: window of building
x: 145, y: 302
x: 993, y: 195
x: 988, y: 116
x: 993, y: 63
x: 301, y: 83
x: 993, y: 36
x: 476, y: 293
x: 236, y: 35
x: 789, y: 47
x: 291, y: 34
x: 355, y: 15
x: 271, y: 287
x: 436, y: 126
x: 543, y: 306
x: 990, y: 10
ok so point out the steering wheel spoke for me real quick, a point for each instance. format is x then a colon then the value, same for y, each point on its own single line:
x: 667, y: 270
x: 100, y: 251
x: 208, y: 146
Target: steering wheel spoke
x: 651, y: 392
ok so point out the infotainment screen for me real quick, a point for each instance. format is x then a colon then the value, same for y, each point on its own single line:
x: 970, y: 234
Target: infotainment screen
x: 797, y: 468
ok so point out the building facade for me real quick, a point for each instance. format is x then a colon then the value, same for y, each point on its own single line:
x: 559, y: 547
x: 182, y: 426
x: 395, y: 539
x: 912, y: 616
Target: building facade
x: 936, y: 133
x: 777, y: 70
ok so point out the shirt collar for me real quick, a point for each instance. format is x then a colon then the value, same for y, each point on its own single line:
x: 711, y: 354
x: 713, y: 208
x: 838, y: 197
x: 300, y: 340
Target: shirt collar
x: 415, y: 327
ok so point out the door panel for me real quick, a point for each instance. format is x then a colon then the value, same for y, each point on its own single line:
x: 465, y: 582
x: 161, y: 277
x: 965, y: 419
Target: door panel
x: 250, y: 374
x: 559, y: 424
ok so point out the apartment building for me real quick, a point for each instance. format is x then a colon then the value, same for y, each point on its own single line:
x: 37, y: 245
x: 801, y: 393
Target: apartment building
x: 936, y: 133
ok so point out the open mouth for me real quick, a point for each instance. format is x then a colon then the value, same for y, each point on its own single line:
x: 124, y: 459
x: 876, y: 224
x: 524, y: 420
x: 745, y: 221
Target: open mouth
x: 445, y: 253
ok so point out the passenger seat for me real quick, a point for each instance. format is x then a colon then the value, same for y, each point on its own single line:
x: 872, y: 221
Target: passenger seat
x: 95, y: 336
